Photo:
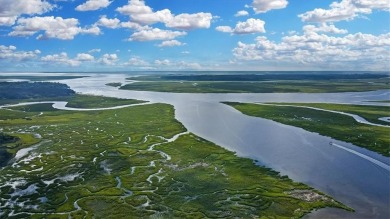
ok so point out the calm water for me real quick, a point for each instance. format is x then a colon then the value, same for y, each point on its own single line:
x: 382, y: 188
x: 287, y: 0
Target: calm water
x: 303, y: 156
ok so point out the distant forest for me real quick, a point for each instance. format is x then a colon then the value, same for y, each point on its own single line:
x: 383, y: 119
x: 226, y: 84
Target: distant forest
x: 29, y: 90
x: 267, y: 77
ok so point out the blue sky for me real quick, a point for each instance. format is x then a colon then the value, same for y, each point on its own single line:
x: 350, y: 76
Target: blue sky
x: 132, y: 35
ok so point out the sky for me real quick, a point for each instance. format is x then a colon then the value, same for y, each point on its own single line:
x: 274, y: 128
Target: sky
x: 166, y: 35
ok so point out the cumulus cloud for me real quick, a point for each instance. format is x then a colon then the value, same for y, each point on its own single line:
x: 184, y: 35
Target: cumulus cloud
x: 62, y: 58
x: 11, y: 53
x: 92, y: 5
x: 190, y: 21
x: 225, y: 29
x: 188, y: 65
x: 107, y: 22
x: 155, y: 34
x: 171, y: 43
x: 114, y: 23
x: 109, y: 59
x: 10, y: 10
x: 162, y: 62
x: 143, y: 14
x: 241, y: 13
x: 133, y: 25
x: 94, y: 30
x: 344, y: 10
x: 262, y: 6
x: 364, y: 51
x: 140, y: 12
x: 7, y: 21
x: 167, y: 64
x: 53, y: 27
x: 136, y: 61
x: 324, y: 28
x: 84, y: 57
x: 249, y: 26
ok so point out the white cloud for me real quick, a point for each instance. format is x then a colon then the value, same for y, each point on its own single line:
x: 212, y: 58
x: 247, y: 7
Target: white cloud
x: 155, y: 34
x: 262, y: 6
x: 324, y: 28
x: 136, y: 61
x: 292, y: 32
x: 241, y: 13
x: 344, y: 10
x: 162, y: 62
x: 133, y: 25
x: 188, y: 65
x: 362, y: 51
x: 63, y: 59
x: 84, y: 57
x: 53, y: 27
x: 7, y: 21
x: 94, y: 50
x: 109, y: 59
x: 167, y: 64
x: 143, y: 14
x: 374, y: 4
x: 10, y: 10
x: 171, y: 43
x: 190, y: 21
x: 93, y: 30
x: 92, y: 5
x: 225, y: 29
x: 11, y: 53
x: 107, y: 22
x: 249, y: 26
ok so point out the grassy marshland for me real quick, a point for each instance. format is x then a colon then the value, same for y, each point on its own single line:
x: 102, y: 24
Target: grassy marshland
x: 120, y: 163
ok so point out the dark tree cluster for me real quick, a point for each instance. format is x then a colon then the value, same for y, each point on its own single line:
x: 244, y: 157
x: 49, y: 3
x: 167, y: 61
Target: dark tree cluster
x: 28, y: 90
x: 4, y: 138
x: 5, y: 156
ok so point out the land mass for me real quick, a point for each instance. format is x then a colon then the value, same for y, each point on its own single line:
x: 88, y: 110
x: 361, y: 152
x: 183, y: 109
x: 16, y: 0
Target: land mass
x: 335, y: 125
x: 136, y: 161
x: 39, y: 78
x: 262, y: 83
x: 33, y: 90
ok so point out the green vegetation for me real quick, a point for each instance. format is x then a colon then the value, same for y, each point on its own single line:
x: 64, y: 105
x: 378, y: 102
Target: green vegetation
x: 120, y: 163
x: 380, y: 101
x: 5, y: 156
x: 10, y: 144
x: 261, y: 76
x: 115, y: 84
x: 370, y: 113
x: 76, y: 101
x: 28, y: 90
x: 279, y: 82
x: 341, y: 127
x: 39, y: 78
x: 87, y: 101
x: 35, y: 108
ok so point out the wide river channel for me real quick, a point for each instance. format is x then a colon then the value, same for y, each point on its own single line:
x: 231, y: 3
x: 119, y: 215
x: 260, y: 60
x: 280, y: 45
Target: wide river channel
x: 304, y: 156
